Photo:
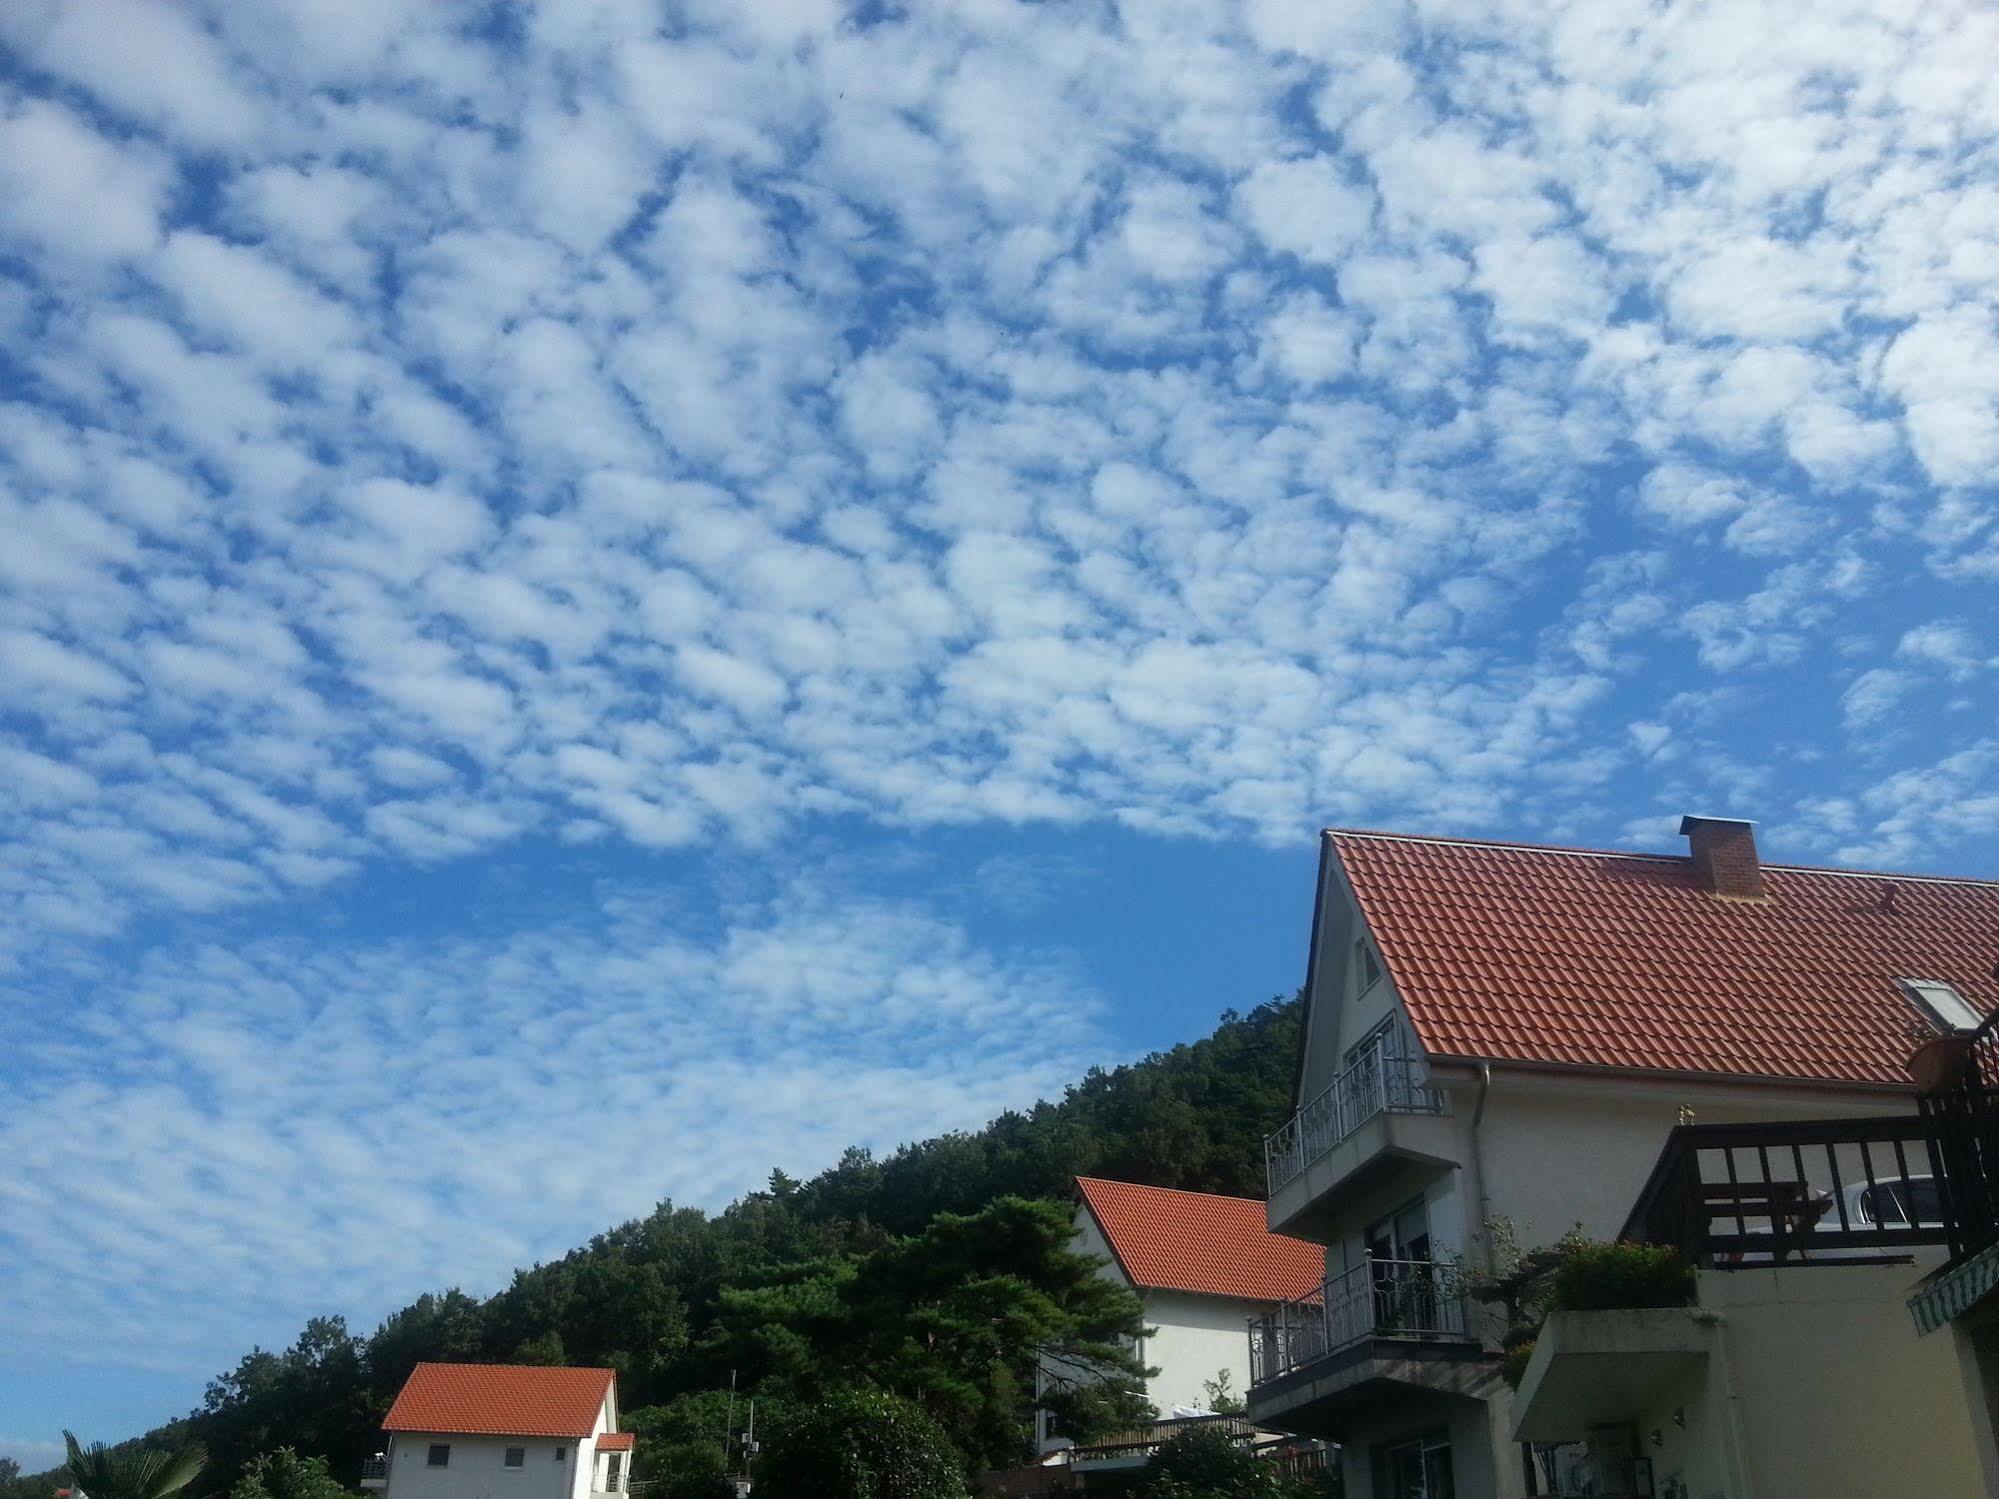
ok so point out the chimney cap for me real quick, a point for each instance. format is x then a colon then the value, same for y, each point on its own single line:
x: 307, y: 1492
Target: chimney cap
x: 1692, y: 820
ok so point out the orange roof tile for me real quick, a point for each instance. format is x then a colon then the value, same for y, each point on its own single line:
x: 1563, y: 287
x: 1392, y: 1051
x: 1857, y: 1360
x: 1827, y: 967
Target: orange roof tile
x: 1168, y: 1240
x: 615, y: 1441
x: 500, y: 1400
x: 1514, y: 952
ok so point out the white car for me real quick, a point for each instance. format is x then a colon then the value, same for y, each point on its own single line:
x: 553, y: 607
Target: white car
x: 1900, y: 1202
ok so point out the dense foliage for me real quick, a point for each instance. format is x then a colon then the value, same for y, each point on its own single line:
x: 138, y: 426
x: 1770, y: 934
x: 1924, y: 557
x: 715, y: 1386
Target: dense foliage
x: 1596, y: 1277
x: 1578, y: 1274
x: 283, y: 1474
x: 868, y: 1270
x: 1203, y: 1462
x: 863, y: 1444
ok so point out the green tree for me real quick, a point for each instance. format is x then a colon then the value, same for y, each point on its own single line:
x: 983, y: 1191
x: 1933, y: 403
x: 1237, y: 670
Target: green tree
x: 283, y: 1474
x: 956, y: 1319
x: 863, y: 1444
x: 130, y: 1471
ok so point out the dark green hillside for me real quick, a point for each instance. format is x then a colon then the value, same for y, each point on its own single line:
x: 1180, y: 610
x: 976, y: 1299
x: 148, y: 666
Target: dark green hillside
x: 664, y: 1299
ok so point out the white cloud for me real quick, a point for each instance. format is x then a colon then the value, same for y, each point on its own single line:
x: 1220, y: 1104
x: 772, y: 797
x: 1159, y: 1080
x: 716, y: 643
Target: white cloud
x: 280, y: 1095
x: 1308, y: 208
x: 1198, y: 421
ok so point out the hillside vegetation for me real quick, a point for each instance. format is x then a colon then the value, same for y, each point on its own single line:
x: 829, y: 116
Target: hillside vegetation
x: 678, y: 1299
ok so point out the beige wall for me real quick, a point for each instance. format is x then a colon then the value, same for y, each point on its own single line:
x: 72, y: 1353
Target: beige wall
x: 1818, y: 1385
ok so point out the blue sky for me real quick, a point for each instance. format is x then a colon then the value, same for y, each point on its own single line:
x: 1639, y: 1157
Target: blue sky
x: 597, y: 599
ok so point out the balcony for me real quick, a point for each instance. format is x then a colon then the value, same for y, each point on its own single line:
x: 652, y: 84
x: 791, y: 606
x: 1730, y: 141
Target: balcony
x: 374, y: 1472
x: 1405, y: 1323
x: 1378, y: 1114
x: 1738, y: 1196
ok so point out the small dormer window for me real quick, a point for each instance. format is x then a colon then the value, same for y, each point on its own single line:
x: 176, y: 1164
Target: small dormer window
x: 1950, y: 1011
x: 1368, y: 965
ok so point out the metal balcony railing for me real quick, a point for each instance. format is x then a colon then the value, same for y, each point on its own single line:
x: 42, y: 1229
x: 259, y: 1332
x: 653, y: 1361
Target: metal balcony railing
x: 1376, y: 1083
x: 374, y: 1470
x: 1377, y: 1299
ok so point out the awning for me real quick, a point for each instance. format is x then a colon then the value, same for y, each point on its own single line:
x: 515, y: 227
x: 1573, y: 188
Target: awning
x: 1953, y: 1292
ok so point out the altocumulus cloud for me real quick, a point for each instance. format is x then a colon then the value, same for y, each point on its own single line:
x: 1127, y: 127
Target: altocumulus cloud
x: 424, y: 429
x: 222, y: 1138
x: 665, y: 425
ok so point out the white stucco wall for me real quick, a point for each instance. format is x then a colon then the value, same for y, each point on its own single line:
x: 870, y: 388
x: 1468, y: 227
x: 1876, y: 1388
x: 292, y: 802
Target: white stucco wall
x: 1343, y: 1008
x: 1194, y: 1339
x: 477, y: 1469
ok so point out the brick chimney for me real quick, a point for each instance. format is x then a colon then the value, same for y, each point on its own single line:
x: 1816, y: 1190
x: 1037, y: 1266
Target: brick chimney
x: 1724, y: 854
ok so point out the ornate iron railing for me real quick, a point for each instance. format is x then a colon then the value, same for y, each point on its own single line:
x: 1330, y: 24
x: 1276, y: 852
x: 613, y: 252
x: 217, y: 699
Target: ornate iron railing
x: 1376, y: 1299
x: 1378, y: 1082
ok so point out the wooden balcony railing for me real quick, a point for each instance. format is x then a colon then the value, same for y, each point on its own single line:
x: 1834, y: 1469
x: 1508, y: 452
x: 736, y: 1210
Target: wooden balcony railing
x: 1801, y: 1191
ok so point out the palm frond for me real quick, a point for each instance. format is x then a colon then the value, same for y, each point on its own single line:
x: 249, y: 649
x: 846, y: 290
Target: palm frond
x: 178, y: 1471
x: 106, y: 1473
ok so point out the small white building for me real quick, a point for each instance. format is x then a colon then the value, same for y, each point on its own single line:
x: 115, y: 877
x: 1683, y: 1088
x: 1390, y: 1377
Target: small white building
x: 1204, y: 1265
x: 503, y: 1431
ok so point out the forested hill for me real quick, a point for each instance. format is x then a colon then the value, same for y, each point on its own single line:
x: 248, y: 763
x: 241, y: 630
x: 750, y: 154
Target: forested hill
x: 646, y: 1298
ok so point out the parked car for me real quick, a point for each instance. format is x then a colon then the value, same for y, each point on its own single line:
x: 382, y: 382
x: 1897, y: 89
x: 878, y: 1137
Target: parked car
x: 1900, y: 1202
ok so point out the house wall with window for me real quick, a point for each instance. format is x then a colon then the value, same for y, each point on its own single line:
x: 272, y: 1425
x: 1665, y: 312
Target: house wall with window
x: 476, y: 1467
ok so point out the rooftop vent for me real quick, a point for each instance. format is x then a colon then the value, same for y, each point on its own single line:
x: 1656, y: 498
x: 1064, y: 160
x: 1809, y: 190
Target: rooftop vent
x: 1724, y: 854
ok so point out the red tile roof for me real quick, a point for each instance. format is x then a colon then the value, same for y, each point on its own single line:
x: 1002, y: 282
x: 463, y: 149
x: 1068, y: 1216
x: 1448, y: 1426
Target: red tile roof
x: 1513, y: 952
x: 615, y: 1441
x: 1168, y: 1240
x: 500, y: 1400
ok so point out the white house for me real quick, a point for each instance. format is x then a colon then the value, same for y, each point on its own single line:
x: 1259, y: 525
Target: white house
x: 1203, y: 1265
x: 502, y: 1431
x: 1499, y: 1039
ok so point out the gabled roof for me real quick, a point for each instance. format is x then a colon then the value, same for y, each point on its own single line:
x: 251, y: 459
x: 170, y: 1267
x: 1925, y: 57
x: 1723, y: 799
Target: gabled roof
x: 500, y: 1400
x: 1168, y: 1240
x: 1576, y: 957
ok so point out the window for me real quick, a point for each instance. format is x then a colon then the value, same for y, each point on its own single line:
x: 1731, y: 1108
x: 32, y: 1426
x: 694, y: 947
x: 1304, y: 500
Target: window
x: 1421, y: 1469
x: 1366, y: 965
x: 440, y: 1455
x: 1947, y: 1009
x: 561, y: 1453
x: 517, y: 1457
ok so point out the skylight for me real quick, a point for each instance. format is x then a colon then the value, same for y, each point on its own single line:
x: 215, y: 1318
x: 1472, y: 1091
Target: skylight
x: 1950, y: 1010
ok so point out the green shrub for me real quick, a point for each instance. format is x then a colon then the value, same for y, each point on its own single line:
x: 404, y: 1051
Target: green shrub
x: 861, y: 1444
x: 1201, y: 1460
x: 692, y: 1470
x: 1605, y: 1277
